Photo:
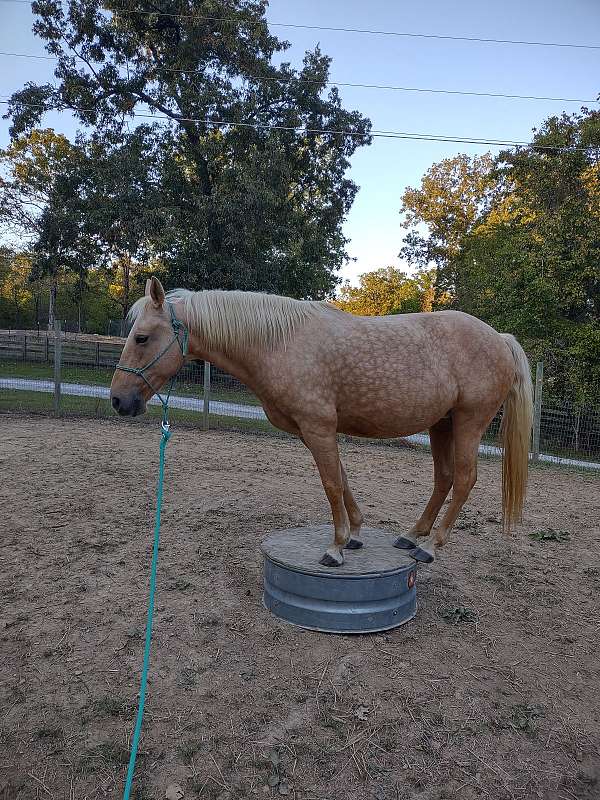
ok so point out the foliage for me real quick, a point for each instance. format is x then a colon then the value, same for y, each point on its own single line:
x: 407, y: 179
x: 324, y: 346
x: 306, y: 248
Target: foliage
x: 241, y: 206
x: 16, y: 289
x: 451, y: 199
x: 30, y: 169
x: 388, y: 291
x: 458, y: 614
x: 515, y: 241
x: 549, y: 535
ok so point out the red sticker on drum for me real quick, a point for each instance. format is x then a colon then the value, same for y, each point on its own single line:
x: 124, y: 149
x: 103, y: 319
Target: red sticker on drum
x: 411, y: 579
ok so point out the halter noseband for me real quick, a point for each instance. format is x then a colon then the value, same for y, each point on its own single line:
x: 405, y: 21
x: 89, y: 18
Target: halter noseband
x: 177, y: 326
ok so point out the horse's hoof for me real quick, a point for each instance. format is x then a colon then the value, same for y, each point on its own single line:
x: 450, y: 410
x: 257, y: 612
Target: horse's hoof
x: 353, y: 544
x: 421, y: 555
x: 329, y: 561
x: 403, y: 543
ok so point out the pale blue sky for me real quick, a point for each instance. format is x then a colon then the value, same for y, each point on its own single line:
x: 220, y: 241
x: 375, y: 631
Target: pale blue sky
x: 385, y: 168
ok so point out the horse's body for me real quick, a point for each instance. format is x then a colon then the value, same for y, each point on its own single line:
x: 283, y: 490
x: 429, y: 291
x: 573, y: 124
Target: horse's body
x: 319, y: 371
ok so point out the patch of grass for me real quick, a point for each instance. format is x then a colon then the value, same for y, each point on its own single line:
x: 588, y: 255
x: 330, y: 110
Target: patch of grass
x: 591, y: 572
x: 524, y: 719
x: 43, y: 403
x: 491, y: 578
x: 44, y: 371
x: 458, y: 615
x: 189, y: 677
x: 109, y: 706
x: 188, y: 749
x: 471, y: 526
x: 49, y: 732
x: 107, y: 754
x: 550, y: 535
x: 103, y: 377
x: 180, y: 584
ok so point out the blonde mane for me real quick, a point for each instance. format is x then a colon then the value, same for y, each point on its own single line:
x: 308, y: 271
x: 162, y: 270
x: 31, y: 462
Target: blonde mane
x: 231, y: 321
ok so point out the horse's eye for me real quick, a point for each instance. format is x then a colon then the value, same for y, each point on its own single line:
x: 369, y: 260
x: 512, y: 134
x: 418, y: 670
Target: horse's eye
x: 141, y: 339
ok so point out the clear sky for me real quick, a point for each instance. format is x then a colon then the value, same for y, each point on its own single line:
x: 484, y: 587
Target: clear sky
x: 385, y: 168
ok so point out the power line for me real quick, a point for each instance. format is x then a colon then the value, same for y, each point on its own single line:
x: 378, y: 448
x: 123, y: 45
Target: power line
x: 384, y: 87
x: 366, y: 31
x: 380, y: 134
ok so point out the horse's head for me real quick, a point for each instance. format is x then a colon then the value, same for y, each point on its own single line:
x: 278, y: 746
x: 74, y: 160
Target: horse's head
x: 154, y: 351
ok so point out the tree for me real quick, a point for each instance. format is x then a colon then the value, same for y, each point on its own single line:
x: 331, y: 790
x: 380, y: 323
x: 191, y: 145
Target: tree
x: 34, y: 170
x: 123, y: 208
x: 16, y: 289
x: 254, y: 186
x: 387, y: 291
x: 523, y: 253
x: 30, y: 167
x: 453, y: 196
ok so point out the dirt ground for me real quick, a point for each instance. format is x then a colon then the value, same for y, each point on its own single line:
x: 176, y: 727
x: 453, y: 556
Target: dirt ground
x: 492, y: 691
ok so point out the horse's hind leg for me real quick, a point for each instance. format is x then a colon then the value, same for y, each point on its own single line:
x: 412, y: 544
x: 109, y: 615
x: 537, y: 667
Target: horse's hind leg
x: 354, y: 514
x: 442, y: 450
x: 323, y: 446
x: 467, y: 436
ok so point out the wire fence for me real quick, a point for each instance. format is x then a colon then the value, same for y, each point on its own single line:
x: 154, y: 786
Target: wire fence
x: 70, y: 374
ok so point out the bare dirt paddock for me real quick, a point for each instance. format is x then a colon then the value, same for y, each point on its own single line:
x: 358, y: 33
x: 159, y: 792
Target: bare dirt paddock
x: 492, y: 691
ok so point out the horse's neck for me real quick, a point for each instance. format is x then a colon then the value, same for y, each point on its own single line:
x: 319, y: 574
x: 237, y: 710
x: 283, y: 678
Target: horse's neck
x: 243, y: 366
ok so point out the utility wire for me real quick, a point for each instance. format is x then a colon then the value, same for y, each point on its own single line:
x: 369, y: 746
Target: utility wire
x: 367, y: 31
x: 422, y: 137
x: 384, y: 87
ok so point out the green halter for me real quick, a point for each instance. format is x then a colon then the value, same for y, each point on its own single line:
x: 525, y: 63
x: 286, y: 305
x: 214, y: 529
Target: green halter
x: 177, y: 326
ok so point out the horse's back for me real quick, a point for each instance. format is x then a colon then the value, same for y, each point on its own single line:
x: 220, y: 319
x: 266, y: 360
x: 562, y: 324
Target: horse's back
x: 386, y: 376
x: 415, y: 368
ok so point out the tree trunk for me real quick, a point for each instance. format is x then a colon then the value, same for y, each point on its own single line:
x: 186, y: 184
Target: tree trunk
x: 52, y: 303
x: 126, y: 301
x: 80, y: 302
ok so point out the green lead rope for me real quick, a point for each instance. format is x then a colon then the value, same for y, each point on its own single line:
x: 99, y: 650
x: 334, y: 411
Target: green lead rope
x: 166, y: 435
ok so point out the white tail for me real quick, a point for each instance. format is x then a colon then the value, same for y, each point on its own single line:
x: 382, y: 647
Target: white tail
x: 516, y: 435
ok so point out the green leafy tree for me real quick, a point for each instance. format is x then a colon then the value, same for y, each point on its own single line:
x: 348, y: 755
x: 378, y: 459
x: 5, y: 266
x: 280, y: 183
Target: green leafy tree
x: 122, y: 204
x: 387, y: 291
x: 18, y: 296
x: 256, y: 204
x: 453, y: 196
x: 34, y: 170
x: 518, y: 245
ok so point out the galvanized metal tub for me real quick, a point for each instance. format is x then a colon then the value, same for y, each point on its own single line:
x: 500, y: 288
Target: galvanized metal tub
x: 374, y: 590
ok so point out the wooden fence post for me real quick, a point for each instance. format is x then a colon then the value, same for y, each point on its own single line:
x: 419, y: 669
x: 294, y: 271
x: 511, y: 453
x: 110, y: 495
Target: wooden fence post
x: 57, y: 364
x: 206, y: 407
x: 537, y: 410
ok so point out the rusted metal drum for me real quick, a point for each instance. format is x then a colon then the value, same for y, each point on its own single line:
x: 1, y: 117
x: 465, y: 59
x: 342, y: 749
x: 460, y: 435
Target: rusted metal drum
x: 374, y: 590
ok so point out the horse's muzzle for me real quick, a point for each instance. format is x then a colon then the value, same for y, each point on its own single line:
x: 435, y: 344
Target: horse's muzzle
x: 128, y: 405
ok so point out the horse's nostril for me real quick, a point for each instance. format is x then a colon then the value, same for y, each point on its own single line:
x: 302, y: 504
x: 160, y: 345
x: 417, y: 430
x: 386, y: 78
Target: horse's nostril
x: 116, y: 403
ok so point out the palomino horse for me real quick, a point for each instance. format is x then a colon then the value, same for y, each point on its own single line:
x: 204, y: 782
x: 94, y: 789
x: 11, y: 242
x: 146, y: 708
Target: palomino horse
x: 318, y: 371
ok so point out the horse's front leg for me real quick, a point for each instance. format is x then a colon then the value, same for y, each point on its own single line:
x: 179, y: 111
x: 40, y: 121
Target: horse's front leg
x: 323, y: 446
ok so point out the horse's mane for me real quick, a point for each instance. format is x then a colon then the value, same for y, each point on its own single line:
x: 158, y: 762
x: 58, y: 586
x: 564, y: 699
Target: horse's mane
x: 232, y: 320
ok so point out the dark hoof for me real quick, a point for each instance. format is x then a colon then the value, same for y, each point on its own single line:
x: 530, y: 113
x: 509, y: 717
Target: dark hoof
x: 402, y: 543
x: 353, y: 544
x: 421, y: 555
x: 329, y: 561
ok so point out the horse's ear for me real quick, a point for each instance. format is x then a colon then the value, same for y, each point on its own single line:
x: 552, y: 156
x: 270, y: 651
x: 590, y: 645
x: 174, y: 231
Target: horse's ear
x: 155, y: 290
x: 147, y: 290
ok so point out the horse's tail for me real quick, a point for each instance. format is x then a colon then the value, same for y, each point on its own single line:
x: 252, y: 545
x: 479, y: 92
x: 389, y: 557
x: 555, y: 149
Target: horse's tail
x: 516, y: 433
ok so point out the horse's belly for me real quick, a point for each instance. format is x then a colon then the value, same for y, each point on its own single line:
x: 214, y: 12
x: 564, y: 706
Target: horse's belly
x: 387, y: 424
